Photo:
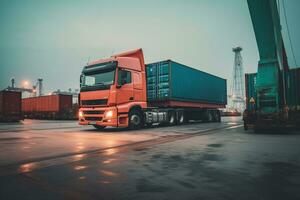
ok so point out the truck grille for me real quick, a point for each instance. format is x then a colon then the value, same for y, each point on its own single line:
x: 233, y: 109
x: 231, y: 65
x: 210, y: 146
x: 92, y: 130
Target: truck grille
x: 93, y: 112
x: 93, y: 118
x: 95, y: 102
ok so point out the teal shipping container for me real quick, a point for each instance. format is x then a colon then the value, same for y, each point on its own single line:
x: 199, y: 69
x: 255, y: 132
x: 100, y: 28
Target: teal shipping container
x: 293, y: 88
x: 250, y: 81
x: 169, y: 80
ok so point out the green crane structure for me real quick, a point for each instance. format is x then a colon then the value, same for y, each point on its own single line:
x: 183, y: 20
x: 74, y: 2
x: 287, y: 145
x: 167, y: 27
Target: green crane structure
x: 271, y: 107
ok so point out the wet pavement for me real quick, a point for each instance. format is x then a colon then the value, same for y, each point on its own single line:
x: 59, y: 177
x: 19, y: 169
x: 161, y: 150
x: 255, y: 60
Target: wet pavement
x: 61, y: 160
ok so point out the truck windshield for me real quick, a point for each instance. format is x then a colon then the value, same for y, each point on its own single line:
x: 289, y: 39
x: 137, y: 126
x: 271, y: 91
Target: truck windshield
x: 100, y: 78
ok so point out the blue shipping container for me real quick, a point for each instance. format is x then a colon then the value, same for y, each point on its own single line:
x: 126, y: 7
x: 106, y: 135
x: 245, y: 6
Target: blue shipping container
x: 250, y: 81
x: 169, y: 80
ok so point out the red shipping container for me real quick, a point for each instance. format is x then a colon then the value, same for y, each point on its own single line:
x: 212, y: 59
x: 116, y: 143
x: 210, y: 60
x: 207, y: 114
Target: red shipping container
x: 52, y: 106
x: 10, y: 106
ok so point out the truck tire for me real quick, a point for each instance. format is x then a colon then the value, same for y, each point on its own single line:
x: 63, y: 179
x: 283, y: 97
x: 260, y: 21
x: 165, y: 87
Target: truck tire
x: 217, y: 116
x: 136, y: 120
x: 181, y: 118
x: 99, y: 127
x: 172, y: 118
x: 209, y: 116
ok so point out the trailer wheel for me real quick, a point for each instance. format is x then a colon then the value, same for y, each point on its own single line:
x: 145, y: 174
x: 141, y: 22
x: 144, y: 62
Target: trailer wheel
x: 217, y: 116
x: 136, y: 120
x: 181, y: 118
x: 172, y: 118
x: 209, y: 116
x: 99, y: 127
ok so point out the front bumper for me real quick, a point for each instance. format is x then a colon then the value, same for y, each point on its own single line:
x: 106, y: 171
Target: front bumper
x: 97, y: 116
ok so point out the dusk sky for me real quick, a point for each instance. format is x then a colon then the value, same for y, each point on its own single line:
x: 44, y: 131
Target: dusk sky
x: 54, y: 39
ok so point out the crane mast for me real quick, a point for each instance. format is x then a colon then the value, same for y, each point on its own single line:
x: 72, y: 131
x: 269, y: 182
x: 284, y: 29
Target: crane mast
x: 270, y: 74
x: 271, y: 104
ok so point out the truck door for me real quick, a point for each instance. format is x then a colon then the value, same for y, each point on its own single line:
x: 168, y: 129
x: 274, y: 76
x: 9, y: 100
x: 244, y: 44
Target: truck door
x: 125, y: 87
x: 137, y: 86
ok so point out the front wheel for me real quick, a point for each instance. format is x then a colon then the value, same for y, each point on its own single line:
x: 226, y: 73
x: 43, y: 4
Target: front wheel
x: 136, y: 120
x: 99, y: 127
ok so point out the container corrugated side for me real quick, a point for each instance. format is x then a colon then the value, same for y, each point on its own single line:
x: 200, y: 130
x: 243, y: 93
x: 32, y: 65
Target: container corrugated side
x: 190, y: 84
x: 250, y: 81
x: 169, y: 80
x: 51, y: 103
x: 293, y: 88
x: 65, y: 102
x: 10, y: 106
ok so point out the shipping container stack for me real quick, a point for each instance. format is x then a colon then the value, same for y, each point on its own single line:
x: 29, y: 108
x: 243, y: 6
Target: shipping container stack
x: 292, y: 92
x: 10, y: 106
x: 250, y: 80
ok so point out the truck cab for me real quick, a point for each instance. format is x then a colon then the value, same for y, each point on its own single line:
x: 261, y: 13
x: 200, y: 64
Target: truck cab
x: 113, y: 89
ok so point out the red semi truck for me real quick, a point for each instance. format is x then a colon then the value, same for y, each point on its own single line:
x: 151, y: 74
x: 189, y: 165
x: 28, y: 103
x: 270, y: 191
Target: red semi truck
x: 121, y: 91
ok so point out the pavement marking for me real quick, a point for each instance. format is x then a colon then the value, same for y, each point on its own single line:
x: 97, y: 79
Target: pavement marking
x: 234, y: 126
x: 39, y: 163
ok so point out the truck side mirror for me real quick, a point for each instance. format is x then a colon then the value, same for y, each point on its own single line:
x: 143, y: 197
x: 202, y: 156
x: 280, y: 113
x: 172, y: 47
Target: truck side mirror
x: 81, y: 79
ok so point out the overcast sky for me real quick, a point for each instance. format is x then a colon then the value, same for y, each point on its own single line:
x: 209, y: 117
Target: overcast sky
x: 54, y: 39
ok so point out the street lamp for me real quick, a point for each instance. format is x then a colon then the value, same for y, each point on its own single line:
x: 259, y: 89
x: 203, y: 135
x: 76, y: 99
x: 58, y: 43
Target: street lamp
x: 25, y: 84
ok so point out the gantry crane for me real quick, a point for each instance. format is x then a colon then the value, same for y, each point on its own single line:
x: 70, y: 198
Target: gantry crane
x: 271, y: 105
x: 33, y: 90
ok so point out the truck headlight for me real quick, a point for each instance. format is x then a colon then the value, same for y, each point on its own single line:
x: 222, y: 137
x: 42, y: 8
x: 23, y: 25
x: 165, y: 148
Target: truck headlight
x: 109, y: 114
x: 80, y: 114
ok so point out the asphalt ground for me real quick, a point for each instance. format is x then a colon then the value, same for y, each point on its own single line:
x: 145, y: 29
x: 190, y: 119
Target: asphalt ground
x: 62, y: 160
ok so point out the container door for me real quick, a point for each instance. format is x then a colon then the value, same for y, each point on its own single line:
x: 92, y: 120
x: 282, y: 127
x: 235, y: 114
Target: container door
x: 158, y: 76
x: 163, y: 75
x: 151, y: 82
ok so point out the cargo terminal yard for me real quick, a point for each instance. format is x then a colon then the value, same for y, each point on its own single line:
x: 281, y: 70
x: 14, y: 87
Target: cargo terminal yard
x: 62, y: 160
x: 150, y: 100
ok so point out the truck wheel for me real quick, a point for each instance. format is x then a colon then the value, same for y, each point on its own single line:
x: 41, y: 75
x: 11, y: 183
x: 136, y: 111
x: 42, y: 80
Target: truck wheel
x: 136, y: 120
x: 209, y: 116
x: 217, y: 116
x: 99, y: 127
x: 172, y: 118
x: 181, y: 118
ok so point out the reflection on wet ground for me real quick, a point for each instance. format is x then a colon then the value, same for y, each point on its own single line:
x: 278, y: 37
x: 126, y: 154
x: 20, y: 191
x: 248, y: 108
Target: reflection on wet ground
x: 26, y: 167
x: 108, y: 161
x: 226, y: 164
x: 78, y: 157
x: 108, y: 173
x: 80, y: 167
